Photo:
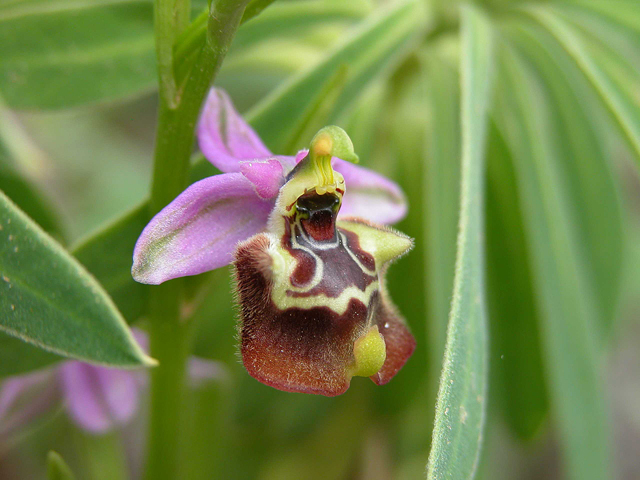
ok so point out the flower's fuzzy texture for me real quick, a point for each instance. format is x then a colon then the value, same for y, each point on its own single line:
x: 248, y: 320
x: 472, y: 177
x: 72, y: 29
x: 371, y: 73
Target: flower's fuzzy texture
x: 314, y: 311
x: 313, y: 308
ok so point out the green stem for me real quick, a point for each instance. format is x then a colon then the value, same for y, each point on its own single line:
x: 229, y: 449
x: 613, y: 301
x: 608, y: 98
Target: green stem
x: 170, y: 346
x: 168, y: 17
x: 178, y: 113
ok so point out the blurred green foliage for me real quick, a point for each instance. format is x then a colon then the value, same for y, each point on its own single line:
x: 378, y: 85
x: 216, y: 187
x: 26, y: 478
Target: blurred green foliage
x: 561, y: 234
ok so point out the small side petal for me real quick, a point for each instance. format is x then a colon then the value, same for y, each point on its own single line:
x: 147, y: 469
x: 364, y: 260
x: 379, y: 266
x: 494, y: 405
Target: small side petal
x: 267, y: 176
x: 99, y: 398
x: 224, y: 137
x: 370, y: 195
x: 199, y: 230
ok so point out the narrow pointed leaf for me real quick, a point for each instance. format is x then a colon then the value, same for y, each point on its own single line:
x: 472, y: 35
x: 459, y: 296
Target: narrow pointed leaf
x: 49, y: 300
x: 516, y: 356
x: 317, y: 113
x: 624, y: 109
x: 460, y: 411
x: 442, y: 190
x: 409, y: 110
x: 584, y: 156
x: 569, y: 317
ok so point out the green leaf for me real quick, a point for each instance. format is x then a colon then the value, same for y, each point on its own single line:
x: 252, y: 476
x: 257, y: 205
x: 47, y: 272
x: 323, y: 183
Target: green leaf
x: 62, y: 53
x: 516, y: 357
x: 294, y: 17
x: 49, y: 300
x: 569, y: 327
x: 362, y: 121
x: 17, y: 357
x: 460, y: 411
x: 516, y: 342
x: 623, y: 107
x: 57, y: 469
x: 16, y: 184
x: 625, y: 12
x: 399, y: 153
x: 442, y: 192
x: 267, y: 49
x: 590, y: 186
x: 254, y: 8
x: 107, y: 255
x: 620, y: 40
x: 381, y: 41
x: 317, y: 113
x: 29, y: 199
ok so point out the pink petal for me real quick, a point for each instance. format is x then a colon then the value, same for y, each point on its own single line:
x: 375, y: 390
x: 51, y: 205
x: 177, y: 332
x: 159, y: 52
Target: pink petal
x: 370, y: 195
x: 267, y: 176
x: 99, y: 398
x: 224, y: 137
x: 199, y: 230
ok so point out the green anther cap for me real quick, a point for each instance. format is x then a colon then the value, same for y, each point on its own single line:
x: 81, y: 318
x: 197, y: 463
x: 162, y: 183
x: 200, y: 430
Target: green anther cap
x: 314, y: 172
x: 332, y: 141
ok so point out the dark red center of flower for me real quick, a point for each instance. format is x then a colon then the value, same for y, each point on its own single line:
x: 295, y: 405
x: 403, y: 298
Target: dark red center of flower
x: 317, y: 215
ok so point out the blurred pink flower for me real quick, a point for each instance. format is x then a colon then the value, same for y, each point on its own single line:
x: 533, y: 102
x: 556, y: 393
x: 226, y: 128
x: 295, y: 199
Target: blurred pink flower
x: 96, y: 398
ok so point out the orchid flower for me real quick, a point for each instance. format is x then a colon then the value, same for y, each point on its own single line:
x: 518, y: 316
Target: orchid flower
x: 308, y: 261
x: 96, y: 398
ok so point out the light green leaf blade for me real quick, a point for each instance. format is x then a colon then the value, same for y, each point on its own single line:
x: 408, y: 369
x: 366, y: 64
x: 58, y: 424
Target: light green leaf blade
x: 381, y: 41
x: 584, y: 156
x: 316, y: 115
x: 625, y: 111
x: 625, y: 12
x: 62, y: 53
x: 254, y: 8
x: 399, y: 137
x: 49, y: 300
x: 57, y: 469
x: 460, y: 411
x: 621, y: 40
x: 442, y: 197
x: 517, y: 370
x: 569, y: 316
x: 293, y: 17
